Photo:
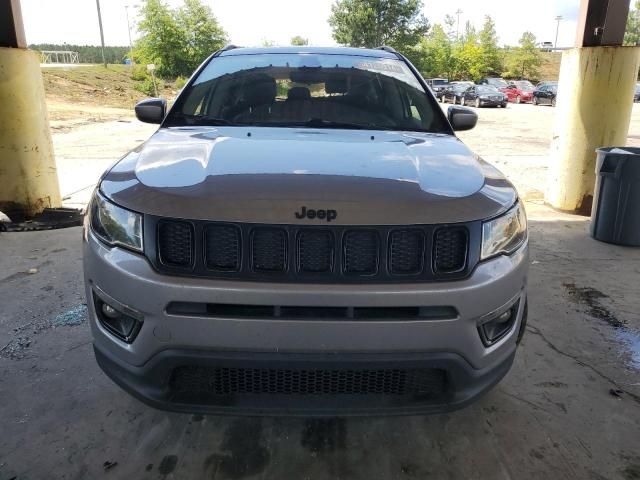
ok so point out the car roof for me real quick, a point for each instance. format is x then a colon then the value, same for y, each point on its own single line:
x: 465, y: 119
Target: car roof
x: 360, y: 52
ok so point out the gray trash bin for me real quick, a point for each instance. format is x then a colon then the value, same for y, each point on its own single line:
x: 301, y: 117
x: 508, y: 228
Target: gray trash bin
x: 615, y: 217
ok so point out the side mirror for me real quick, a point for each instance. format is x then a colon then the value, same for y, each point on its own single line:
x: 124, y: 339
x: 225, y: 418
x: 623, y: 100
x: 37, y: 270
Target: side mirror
x: 151, y: 110
x: 462, y: 118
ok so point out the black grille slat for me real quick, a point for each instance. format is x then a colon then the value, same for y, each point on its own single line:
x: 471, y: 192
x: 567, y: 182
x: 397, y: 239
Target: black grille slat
x: 196, y: 380
x: 269, y: 250
x: 406, y: 252
x: 315, y: 251
x: 222, y: 248
x: 450, y: 249
x: 175, y: 243
x: 322, y: 253
x: 361, y: 252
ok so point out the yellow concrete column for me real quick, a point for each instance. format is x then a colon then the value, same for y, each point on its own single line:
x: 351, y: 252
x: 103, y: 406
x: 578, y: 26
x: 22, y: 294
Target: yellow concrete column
x: 595, y: 98
x: 28, y: 175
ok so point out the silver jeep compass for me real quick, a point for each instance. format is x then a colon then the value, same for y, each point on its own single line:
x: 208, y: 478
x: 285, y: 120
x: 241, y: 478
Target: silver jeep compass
x: 305, y: 234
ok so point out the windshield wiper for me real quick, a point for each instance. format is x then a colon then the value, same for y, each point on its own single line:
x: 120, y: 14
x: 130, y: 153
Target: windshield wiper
x: 208, y: 121
x: 322, y: 123
x: 184, y: 120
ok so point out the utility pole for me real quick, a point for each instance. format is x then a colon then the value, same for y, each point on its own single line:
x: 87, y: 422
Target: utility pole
x: 458, y: 13
x: 558, y: 18
x: 104, y: 61
x: 126, y: 9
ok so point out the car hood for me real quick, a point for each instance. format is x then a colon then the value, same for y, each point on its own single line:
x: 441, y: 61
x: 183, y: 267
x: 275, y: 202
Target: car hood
x: 265, y: 175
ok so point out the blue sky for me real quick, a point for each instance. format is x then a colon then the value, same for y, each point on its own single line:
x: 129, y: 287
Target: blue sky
x: 249, y: 22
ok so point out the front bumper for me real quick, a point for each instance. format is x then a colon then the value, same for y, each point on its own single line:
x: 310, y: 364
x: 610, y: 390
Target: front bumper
x: 492, y: 103
x: 165, y: 341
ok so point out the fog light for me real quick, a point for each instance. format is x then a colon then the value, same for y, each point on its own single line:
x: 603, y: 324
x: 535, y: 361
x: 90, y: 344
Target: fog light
x: 109, y: 311
x: 493, y: 329
x: 117, y: 319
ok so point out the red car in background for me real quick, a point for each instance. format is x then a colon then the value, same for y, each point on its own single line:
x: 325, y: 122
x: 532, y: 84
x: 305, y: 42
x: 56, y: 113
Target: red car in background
x: 519, y: 91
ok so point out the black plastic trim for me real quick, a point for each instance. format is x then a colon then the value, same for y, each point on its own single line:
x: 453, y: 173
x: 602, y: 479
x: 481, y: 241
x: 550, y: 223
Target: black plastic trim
x: 291, y: 273
x: 150, y: 381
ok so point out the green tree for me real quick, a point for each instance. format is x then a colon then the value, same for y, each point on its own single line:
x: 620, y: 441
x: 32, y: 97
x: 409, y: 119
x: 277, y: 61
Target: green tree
x: 371, y: 23
x: 177, y: 41
x: 437, y: 53
x: 202, y: 33
x: 525, y: 61
x: 300, y: 41
x: 450, y: 27
x: 489, y: 52
x: 632, y: 33
x: 162, y: 42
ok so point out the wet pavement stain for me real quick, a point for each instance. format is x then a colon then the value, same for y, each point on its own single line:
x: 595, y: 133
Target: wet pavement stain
x: 631, y: 472
x: 628, y: 338
x: 591, y: 298
x: 168, y: 464
x: 324, y: 435
x: 247, y: 456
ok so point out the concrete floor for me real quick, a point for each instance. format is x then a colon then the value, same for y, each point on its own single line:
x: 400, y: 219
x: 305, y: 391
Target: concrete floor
x: 570, y: 407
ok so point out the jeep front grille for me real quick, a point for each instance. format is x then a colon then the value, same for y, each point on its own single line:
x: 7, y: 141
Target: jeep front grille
x: 323, y: 254
x: 175, y: 243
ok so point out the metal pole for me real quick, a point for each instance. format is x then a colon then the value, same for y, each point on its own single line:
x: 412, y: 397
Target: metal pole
x: 155, y: 85
x: 458, y: 12
x: 104, y: 61
x: 126, y: 9
x: 558, y: 18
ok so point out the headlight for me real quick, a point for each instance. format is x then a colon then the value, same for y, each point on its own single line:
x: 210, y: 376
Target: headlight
x: 115, y: 225
x: 504, y: 234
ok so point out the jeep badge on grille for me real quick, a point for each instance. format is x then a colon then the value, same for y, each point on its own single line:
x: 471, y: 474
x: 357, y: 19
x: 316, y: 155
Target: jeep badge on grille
x: 310, y: 213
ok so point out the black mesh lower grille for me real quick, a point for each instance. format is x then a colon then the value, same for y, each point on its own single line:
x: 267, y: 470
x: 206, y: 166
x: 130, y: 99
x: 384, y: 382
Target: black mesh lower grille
x: 361, y: 249
x: 269, y: 250
x: 450, y: 249
x: 315, y: 251
x: 175, y: 243
x: 406, y: 251
x: 222, y: 247
x: 199, y: 381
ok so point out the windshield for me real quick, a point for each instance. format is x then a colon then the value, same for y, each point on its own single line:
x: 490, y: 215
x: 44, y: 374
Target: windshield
x: 497, y: 82
x: 298, y: 90
x: 527, y: 86
x: 486, y: 89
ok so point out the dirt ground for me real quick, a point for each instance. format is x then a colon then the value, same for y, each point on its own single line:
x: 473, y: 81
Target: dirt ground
x: 569, y: 408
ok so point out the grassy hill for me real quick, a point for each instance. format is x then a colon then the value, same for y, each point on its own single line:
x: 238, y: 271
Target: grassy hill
x: 550, y: 69
x: 113, y: 86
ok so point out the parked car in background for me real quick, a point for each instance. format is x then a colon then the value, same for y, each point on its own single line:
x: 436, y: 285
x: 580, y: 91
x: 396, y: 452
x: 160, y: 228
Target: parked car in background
x: 468, y: 83
x: 496, y: 82
x: 546, y: 82
x: 438, y: 85
x: 453, y: 94
x: 484, y: 96
x: 546, y: 46
x: 519, y: 91
x: 545, y: 94
x: 636, y: 95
